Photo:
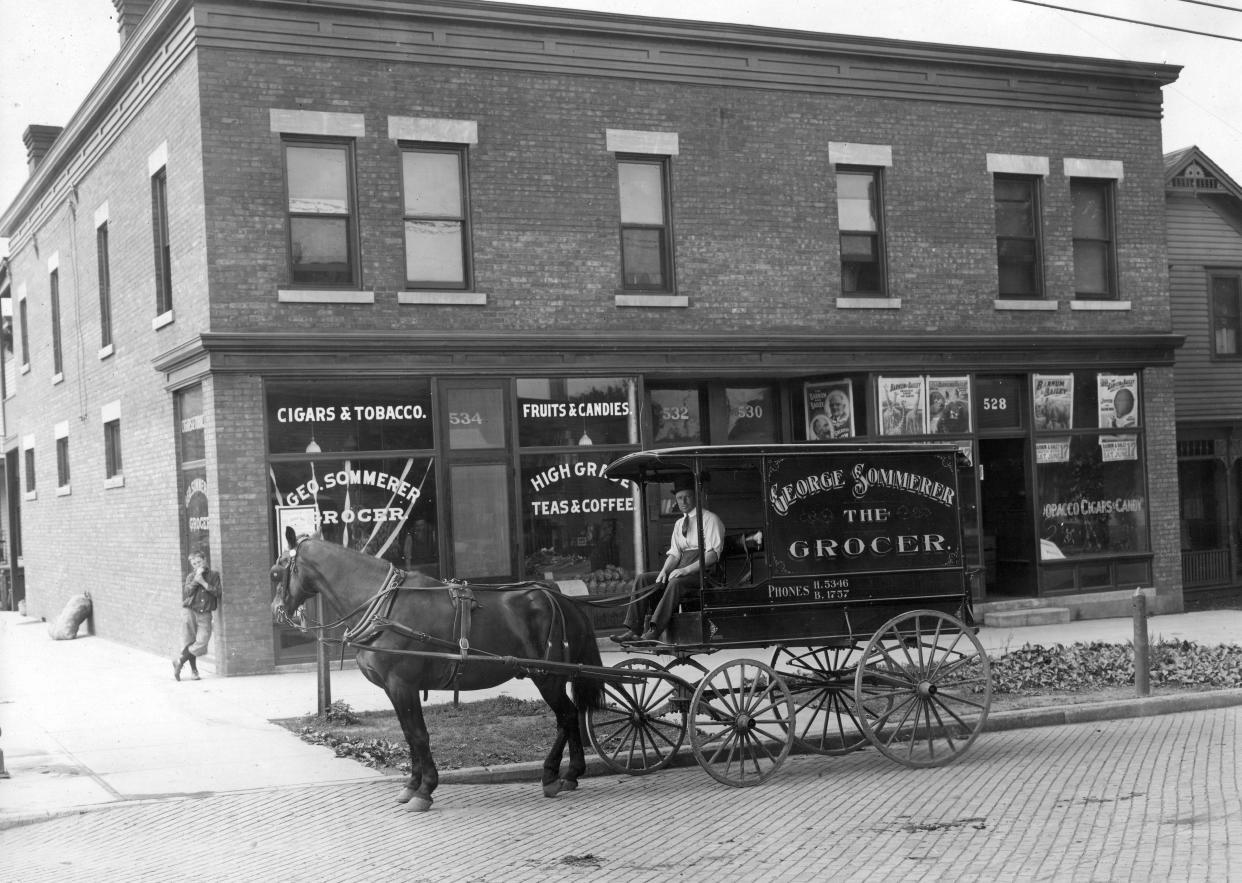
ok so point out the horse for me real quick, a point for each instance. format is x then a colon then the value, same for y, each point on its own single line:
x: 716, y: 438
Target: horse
x: 418, y: 633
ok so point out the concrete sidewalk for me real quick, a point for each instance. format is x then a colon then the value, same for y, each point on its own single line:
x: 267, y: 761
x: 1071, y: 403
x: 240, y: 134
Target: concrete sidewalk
x: 88, y: 722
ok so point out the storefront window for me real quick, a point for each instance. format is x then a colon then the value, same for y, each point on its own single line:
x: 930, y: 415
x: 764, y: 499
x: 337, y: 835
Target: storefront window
x: 676, y: 416
x: 379, y: 415
x: 1092, y: 500
x: 384, y: 507
x: 752, y: 414
x: 578, y: 525
x: 562, y: 412
x: 191, y: 454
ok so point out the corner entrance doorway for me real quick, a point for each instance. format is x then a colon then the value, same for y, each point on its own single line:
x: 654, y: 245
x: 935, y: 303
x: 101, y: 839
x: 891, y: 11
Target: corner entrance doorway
x: 1009, y: 550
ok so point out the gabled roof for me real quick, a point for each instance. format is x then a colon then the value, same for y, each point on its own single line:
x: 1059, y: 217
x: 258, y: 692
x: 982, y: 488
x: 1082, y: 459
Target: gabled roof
x: 1190, y: 170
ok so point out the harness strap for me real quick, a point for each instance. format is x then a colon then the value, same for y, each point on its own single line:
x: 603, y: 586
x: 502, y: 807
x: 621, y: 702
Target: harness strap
x: 463, y: 604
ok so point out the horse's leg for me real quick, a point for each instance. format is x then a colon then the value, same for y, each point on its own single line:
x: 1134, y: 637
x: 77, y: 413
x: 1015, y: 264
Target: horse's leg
x: 553, y: 691
x: 423, y: 776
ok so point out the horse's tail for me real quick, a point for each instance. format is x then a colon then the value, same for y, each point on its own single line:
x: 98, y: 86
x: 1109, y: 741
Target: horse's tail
x: 588, y: 692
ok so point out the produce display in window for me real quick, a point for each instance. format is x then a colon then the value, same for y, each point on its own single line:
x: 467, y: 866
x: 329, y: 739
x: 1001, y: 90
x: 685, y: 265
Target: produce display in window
x: 579, y: 526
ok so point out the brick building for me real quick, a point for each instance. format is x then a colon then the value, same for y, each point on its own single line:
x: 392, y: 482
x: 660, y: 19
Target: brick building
x: 412, y: 272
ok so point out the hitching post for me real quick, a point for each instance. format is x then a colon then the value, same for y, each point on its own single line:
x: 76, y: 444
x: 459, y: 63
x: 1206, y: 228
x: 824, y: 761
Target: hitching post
x: 1142, y: 653
x: 323, y: 665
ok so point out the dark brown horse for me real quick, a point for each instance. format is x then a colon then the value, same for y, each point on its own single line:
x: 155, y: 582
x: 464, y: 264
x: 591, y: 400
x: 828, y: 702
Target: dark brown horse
x: 408, y: 630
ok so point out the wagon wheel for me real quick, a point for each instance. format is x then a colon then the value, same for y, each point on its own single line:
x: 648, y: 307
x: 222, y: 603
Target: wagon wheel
x: 641, y: 726
x: 924, y: 679
x: 822, y: 682
x: 737, y: 722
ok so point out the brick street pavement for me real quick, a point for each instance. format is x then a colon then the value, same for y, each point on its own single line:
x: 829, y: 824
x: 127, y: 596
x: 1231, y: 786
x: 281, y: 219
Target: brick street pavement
x: 1154, y: 798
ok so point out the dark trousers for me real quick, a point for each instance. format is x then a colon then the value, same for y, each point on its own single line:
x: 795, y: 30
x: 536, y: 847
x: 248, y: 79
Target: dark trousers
x: 661, y: 604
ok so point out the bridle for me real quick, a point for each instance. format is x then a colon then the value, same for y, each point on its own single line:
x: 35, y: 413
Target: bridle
x: 388, y: 586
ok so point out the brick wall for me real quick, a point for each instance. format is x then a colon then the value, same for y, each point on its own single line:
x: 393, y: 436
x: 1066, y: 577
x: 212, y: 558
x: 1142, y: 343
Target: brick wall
x: 120, y: 544
x: 753, y: 200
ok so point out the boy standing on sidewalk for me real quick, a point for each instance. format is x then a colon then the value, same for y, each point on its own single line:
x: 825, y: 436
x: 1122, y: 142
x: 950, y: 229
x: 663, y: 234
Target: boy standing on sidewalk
x: 200, y: 595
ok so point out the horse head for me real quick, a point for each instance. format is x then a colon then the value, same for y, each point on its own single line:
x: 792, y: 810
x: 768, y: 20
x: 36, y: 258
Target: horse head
x: 291, y: 589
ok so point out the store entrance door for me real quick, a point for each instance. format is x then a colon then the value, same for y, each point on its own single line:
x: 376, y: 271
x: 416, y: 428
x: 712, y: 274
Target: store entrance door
x: 1009, y: 550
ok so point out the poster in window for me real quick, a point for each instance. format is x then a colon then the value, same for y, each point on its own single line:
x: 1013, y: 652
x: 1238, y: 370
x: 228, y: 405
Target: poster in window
x: 1118, y: 400
x: 1053, y: 396
x: 829, y: 410
x: 948, y: 405
x: 902, y: 410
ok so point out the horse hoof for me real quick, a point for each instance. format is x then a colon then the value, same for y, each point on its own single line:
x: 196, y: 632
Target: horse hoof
x: 569, y: 785
x: 418, y: 804
x: 553, y: 788
x: 405, y: 795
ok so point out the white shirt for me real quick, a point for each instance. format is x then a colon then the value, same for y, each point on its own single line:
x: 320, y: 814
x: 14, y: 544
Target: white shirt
x: 686, y: 533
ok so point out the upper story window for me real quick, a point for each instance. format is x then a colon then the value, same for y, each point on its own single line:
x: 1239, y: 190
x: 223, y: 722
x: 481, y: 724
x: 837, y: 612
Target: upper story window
x: 62, y: 458
x: 1092, y: 191
x: 860, y: 219
x: 159, y: 233
x: 322, y: 235
x: 28, y: 466
x: 105, y: 276
x: 1225, y: 291
x: 110, y: 417
x: 646, y: 238
x: 58, y: 352
x: 437, y: 231
x: 23, y: 327
x: 1019, y: 258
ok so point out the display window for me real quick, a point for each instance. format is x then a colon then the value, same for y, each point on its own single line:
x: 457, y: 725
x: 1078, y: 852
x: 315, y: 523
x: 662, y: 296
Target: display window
x: 380, y: 415
x: 1092, y: 502
x: 578, y: 525
x: 383, y: 506
x: 564, y: 412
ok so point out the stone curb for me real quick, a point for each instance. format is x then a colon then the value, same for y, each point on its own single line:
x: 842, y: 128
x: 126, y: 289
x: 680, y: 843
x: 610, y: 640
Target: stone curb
x: 1015, y: 719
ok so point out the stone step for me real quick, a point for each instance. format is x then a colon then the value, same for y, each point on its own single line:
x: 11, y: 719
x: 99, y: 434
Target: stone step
x: 1008, y: 619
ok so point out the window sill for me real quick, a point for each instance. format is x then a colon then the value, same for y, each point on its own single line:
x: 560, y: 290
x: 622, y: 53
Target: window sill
x: 114, y: 481
x: 64, y: 490
x: 868, y: 303
x: 443, y: 298
x: 324, y: 296
x: 25, y: 369
x: 1100, y: 305
x: 30, y: 496
x: 105, y: 351
x: 652, y: 300
x: 58, y: 377
x: 1016, y: 304
x: 161, y: 320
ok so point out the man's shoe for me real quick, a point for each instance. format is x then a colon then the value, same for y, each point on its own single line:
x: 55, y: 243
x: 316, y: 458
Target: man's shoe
x: 625, y: 638
x: 176, y: 664
x: 651, y: 636
x: 194, y: 674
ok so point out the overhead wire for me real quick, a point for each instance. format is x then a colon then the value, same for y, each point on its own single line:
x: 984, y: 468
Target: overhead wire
x: 1133, y: 21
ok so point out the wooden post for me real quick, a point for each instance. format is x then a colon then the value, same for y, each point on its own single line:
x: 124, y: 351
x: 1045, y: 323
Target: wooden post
x: 323, y: 664
x: 1142, y: 652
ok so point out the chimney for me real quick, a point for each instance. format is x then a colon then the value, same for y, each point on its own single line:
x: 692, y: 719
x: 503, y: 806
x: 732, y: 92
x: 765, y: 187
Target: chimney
x: 128, y: 14
x: 38, y: 141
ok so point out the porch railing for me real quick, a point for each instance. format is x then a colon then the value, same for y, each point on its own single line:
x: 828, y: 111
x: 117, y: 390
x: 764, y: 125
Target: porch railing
x: 1208, y: 567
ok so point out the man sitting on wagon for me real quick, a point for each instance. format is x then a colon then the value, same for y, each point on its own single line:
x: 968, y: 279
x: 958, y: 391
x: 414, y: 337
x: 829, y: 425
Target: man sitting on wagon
x: 685, y: 558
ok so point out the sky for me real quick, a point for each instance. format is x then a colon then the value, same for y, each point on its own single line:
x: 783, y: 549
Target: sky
x: 54, y: 51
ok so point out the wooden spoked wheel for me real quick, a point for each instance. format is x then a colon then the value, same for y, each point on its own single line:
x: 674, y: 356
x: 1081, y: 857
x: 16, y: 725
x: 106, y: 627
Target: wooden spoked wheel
x: 642, y: 725
x: 737, y: 722
x: 923, y: 688
x: 822, y: 682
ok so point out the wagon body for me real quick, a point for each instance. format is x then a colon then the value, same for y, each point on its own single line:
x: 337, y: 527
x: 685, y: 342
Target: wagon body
x: 850, y: 536
x: 847, y: 560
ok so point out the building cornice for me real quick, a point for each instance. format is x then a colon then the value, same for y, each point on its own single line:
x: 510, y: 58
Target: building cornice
x: 317, y: 354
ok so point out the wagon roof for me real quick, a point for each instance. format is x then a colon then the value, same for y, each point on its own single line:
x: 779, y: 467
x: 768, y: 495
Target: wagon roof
x: 666, y: 463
